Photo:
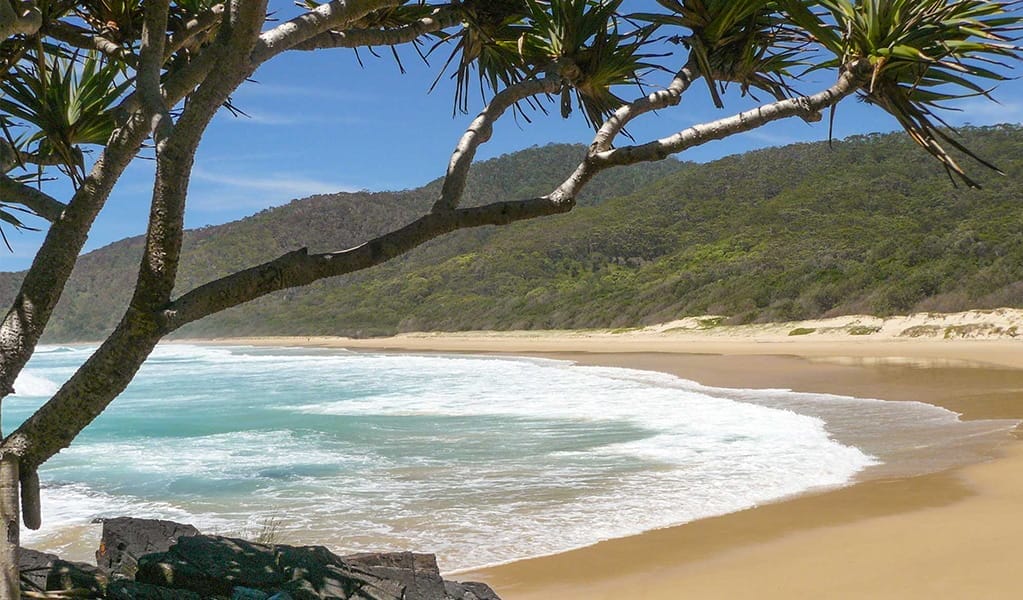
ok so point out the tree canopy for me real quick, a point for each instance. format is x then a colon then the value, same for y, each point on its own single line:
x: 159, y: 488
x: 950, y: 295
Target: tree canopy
x: 87, y: 87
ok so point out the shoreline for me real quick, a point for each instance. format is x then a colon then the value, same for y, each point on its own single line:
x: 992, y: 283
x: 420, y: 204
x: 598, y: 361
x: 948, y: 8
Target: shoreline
x: 912, y: 533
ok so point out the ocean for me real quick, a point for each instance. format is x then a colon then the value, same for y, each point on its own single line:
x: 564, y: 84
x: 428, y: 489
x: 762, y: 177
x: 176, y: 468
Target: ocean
x: 481, y: 460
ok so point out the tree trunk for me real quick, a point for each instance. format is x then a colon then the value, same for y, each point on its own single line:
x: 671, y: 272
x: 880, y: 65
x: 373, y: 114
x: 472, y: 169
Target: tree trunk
x: 10, y: 585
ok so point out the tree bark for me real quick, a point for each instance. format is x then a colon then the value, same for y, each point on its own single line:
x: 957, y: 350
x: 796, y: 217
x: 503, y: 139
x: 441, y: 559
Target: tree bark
x: 10, y: 584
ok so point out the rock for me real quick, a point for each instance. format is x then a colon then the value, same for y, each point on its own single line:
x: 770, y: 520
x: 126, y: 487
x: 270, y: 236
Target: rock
x: 316, y: 573
x: 35, y: 568
x: 42, y: 572
x: 418, y: 573
x: 211, y: 566
x: 66, y: 575
x: 132, y: 590
x: 469, y: 590
x: 125, y: 539
x: 244, y: 593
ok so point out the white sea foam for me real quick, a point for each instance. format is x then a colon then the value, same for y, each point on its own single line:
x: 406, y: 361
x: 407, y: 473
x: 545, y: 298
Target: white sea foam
x: 481, y: 460
x: 30, y: 385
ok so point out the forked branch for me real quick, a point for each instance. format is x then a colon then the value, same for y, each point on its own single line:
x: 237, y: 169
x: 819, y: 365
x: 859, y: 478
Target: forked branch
x: 479, y: 132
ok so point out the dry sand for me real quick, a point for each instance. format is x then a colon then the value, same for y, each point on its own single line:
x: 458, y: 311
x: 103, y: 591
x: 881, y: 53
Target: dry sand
x: 955, y: 534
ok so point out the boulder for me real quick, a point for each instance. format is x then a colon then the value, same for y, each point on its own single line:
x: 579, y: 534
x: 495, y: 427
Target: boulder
x: 469, y: 590
x: 418, y: 573
x: 34, y: 567
x: 42, y: 572
x: 316, y: 573
x: 65, y: 575
x: 125, y: 539
x: 171, y: 561
x: 244, y: 593
x: 211, y: 566
x: 132, y: 590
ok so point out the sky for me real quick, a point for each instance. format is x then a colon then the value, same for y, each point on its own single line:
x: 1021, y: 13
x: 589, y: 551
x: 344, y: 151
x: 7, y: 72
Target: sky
x: 319, y: 123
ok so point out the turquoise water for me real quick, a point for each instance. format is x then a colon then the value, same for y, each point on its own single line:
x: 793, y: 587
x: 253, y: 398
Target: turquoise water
x: 481, y: 460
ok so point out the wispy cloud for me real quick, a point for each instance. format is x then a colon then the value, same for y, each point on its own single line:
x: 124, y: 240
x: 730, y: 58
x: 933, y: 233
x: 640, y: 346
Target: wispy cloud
x: 256, y: 88
x: 276, y: 118
x: 767, y: 137
x: 981, y: 111
x: 230, y: 191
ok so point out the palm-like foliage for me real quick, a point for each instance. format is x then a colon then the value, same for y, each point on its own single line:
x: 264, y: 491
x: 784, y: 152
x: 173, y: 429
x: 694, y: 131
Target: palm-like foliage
x: 747, y: 42
x: 65, y: 103
x: 586, y: 39
x: 487, y: 43
x: 120, y: 21
x: 509, y: 41
x: 8, y: 215
x: 923, y: 53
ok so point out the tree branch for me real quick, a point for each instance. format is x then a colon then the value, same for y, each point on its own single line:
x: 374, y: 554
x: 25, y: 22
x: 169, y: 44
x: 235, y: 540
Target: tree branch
x: 331, y: 15
x: 89, y: 40
x: 299, y: 268
x: 852, y: 77
x: 192, y: 29
x: 12, y: 23
x: 37, y: 201
x: 479, y: 132
x: 151, y: 59
x: 44, y: 282
x: 109, y: 370
x: 670, y: 96
x: 356, y: 38
x: 176, y: 154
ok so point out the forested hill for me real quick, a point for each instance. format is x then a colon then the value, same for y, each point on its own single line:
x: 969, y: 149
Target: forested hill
x: 101, y: 285
x: 870, y: 224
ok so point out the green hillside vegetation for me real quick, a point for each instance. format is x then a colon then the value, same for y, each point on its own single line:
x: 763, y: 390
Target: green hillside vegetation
x: 869, y: 225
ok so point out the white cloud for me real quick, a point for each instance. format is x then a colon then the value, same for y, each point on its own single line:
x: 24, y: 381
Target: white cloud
x: 981, y: 111
x: 232, y: 191
x: 259, y: 117
x: 766, y: 137
x: 255, y: 88
x: 277, y: 182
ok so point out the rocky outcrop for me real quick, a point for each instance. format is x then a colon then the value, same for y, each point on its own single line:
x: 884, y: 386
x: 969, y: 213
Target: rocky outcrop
x: 125, y: 539
x: 161, y: 560
x: 42, y: 572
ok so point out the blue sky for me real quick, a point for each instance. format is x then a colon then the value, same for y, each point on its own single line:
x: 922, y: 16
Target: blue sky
x: 320, y: 123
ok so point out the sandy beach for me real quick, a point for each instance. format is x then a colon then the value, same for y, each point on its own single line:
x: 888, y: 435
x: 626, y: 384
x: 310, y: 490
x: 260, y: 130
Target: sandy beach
x: 952, y: 534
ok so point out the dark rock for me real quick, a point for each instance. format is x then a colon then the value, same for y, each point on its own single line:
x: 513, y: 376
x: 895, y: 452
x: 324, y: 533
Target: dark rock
x: 125, y: 539
x: 469, y: 590
x: 244, y: 593
x: 200, y: 566
x: 35, y: 568
x: 211, y: 566
x: 66, y: 575
x: 316, y: 573
x: 132, y: 590
x: 42, y: 572
x: 418, y: 573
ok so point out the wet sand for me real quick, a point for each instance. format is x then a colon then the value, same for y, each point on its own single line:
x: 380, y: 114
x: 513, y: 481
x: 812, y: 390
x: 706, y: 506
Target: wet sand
x: 953, y: 534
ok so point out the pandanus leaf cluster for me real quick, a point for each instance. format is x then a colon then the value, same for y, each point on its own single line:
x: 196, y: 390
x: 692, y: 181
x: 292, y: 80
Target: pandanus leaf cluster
x: 922, y: 54
x: 65, y: 103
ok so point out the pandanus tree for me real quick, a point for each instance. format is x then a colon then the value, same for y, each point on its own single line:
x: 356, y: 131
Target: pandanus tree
x: 86, y: 87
